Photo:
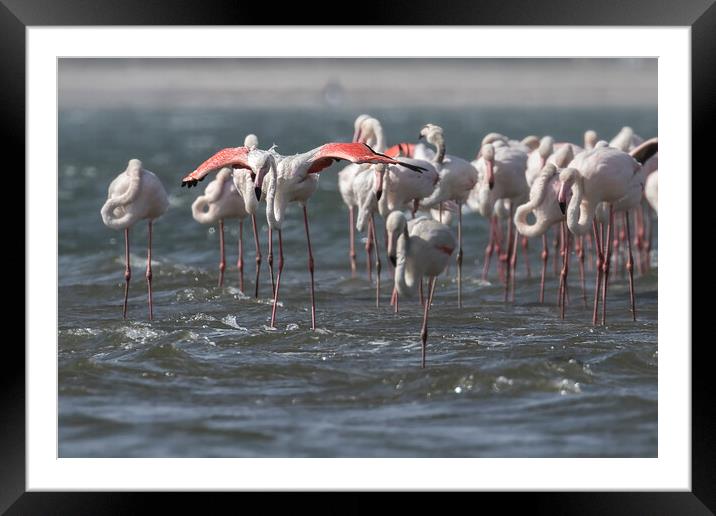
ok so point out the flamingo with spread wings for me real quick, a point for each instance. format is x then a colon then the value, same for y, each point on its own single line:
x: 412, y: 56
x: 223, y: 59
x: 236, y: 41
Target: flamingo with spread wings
x: 285, y: 179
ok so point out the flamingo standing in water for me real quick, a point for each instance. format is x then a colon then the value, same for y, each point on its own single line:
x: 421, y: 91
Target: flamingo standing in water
x: 543, y: 204
x: 283, y: 179
x: 604, y: 174
x: 135, y: 194
x: 418, y: 248
x: 501, y: 170
x: 345, y: 187
x: 457, y: 178
x: 221, y: 200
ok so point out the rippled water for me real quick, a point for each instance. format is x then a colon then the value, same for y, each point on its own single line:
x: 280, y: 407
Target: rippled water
x: 208, y: 377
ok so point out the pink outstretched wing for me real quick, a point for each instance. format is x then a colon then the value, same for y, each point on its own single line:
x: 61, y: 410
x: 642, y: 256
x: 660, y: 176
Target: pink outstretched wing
x: 234, y: 157
x: 353, y: 152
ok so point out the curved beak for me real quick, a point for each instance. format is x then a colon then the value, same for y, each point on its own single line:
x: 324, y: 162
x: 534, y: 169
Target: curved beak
x: 490, y: 174
x: 378, y: 184
x: 393, y: 259
x: 391, y: 249
x: 562, y: 198
x: 420, y: 137
x: 257, y: 191
x: 260, y: 178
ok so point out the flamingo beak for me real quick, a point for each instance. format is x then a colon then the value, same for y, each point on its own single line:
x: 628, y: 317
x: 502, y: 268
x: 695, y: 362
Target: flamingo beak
x: 562, y: 198
x: 391, y: 249
x: 378, y: 184
x: 257, y: 192
x: 490, y: 174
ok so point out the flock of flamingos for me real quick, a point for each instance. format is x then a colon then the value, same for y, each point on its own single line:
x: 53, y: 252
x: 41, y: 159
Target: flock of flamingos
x: 529, y: 186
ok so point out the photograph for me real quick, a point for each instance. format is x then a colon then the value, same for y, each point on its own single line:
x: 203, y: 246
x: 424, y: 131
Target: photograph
x: 357, y: 257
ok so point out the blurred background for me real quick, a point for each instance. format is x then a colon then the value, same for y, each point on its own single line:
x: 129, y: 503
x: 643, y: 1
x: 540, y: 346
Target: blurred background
x: 208, y: 378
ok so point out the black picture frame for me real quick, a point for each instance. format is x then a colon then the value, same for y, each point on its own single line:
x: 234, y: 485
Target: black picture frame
x: 17, y: 15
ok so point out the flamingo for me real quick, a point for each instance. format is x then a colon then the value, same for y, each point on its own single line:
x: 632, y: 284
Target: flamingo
x: 220, y: 201
x: 283, y: 179
x: 501, y: 170
x: 418, y: 248
x: 457, y: 178
x: 135, y: 194
x: 590, y: 139
x: 543, y: 204
x: 604, y: 174
x: 345, y: 187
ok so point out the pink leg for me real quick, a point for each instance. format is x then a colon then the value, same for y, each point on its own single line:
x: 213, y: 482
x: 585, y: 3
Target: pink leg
x: 489, y: 250
x: 499, y: 250
x: 258, y: 254
x: 459, y: 255
x: 127, y: 271
x: 607, y: 264
x: 560, y: 293
x: 278, y: 279
x: 222, y: 253
x: 590, y: 255
x: 422, y: 297
x: 310, y: 269
x: 377, y: 262
x: 424, y: 331
x: 525, y: 248
x: 565, y: 268
x: 508, y: 255
x: 639, y: 241
x: 630, y: 266
x: 240, y: 262
x: 544, y: 256
x: 616, y: 240
x: 394, y: 300
x: 352, y: 252
x: 270, y: 259
x: 149, y: 272
x: 513, y: 267
x: 600, y: 259
x: 557, y: 249
x: 579, y: 249
x: 368, y: 250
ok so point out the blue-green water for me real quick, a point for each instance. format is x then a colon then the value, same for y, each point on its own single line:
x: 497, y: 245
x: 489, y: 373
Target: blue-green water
x: 208, y: 378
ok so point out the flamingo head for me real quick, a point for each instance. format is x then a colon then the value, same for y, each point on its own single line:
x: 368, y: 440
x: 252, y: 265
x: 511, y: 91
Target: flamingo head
x: 262, y: 163
x: 531, y: 142
x: 432, y: 133
x: 590, y: 139
x: 566, y: 178
x: 563, y: 156
x: 493, y: 137
x: 251, y: 141
x: 357, y: 126
x: 395, y: 225
x: 488, y: 155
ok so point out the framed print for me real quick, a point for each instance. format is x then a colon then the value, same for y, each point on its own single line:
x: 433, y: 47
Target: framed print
x: 420, y: 253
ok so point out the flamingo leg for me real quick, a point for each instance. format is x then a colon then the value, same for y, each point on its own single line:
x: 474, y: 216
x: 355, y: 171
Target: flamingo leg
x: 394, y: 300
x: 127, y: 271
x: 222, y: 253
x: 498, y: 250
x: 630, y: 266
x: 639, y: 241
x: 377, y: 262
x: 422, y: 297
x: 489, y: 250
x: 579, y: 249
x: 310, y: 269
x: 600, y: 259
x: 557, y: 248
x: 149, y: 272
x: 649, y: 240
x: 270, y: 259
x: 544, y: 256
x: 424, y: 331
x: 590, y: 255
x: 525, y: 248
x: 278, y: 279
x: 240, y: 262
x: 352, y: 251
x: 561, y: 254
x: 565, y: 269
x: 513, y: 266
x: 368, y: 250
x: 606, y: 266
x: 459, y: 255
x: 258, y: 254
x: 508, y: 254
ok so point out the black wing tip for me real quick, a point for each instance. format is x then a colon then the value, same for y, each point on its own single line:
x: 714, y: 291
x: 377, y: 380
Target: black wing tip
x: 414, y: 168
x: 190, y: 182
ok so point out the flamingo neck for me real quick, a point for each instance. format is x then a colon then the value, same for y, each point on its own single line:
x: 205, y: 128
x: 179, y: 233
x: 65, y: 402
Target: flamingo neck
x: 109, y: 217
x: 380, y: 143
x: 541, y: 224
x: 439, y: 143
x: 581, y: 210
x: 404, y: 278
